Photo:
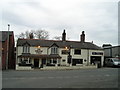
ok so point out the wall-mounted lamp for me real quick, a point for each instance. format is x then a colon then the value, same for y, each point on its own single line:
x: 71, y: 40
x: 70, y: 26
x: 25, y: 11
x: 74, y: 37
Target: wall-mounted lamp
x: 38, y: 47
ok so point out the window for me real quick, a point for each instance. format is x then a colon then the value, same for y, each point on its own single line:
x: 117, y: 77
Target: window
x: 64, y: 52
x: 77, y: 61
x: 25, y: 62
x: 48, y: 61
x: 80, y: 61
x: 29, y: 61
x: 77, y: 51
x: 54, y: 50
x: 54, y: 61
x: 63, y: 60
x: 58, y: 60
x: 26, y: 49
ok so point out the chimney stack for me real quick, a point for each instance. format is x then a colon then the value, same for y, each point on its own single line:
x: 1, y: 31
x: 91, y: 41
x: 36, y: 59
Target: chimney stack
x: 82, y: 37
x: 64, y: 36
x: 31, y: 36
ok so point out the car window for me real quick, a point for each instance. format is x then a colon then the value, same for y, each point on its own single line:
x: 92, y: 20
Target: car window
x: 116, y: 60
x: 111, y: 60
x: 108, y: 60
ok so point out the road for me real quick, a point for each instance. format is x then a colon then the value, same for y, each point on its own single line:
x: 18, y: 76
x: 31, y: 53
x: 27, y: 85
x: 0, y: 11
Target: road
x: 85, y: 78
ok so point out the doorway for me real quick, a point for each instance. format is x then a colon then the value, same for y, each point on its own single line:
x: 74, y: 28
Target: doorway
x: 95, y: 59
x: 36, y: 63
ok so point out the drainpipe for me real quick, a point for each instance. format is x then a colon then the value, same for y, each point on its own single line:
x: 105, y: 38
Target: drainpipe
x: 7, y: 48
x: 111, y: 52
x: 88, y: 58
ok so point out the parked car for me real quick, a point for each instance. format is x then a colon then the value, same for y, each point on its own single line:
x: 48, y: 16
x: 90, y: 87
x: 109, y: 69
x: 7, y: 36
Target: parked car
x: 112, y: 62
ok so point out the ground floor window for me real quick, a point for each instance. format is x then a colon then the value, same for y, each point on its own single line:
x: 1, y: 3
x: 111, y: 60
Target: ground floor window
x: 54, y: 61
x: 95, y: 59
x: 63, y: 60
x: 24, y: 61
x: 44, y: 61
x: 77, y: 61
x: 50, y: 63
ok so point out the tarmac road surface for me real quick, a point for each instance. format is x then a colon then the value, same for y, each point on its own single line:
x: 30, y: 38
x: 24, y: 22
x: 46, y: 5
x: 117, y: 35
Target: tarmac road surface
x: 84, y: 78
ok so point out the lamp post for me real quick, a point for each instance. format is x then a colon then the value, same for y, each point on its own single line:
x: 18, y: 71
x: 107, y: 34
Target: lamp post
x: 39, y: 51
x: 69, y: 55
x: 7, y: 48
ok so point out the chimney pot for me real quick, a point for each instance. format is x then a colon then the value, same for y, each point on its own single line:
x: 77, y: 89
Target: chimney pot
x: 83, y: 37
x: 64, y: 36
x: 31, y: 35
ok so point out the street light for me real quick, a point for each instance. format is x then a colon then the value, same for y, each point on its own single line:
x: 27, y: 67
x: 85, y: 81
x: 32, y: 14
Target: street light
x: 66, y: 48
x: 39, y: 51
x: 7, y: 48
x: 69, y: 55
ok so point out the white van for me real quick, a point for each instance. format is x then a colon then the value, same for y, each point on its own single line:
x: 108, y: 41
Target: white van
x: 112, y: 62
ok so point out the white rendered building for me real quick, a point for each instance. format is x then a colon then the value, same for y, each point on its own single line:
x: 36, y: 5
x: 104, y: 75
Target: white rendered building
x: 40, y: 53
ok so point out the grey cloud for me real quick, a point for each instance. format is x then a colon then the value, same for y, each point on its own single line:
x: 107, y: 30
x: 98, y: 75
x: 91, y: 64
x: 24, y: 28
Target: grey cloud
x: 99, y: 20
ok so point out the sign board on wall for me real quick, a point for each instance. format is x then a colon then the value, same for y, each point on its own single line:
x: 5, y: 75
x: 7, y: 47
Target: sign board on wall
x: 97, y: 53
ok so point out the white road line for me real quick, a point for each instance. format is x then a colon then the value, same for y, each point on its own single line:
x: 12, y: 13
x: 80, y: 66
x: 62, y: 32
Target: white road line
x: 75, y: 76
x: 50, y: 77
x: 107, y: 75
x: 25, y: 78
x: 59, y: 77
x: 68, y: 77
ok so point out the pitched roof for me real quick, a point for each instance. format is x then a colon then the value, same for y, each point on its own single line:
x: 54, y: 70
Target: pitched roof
x: 61, y: 44
x: 4, y: 35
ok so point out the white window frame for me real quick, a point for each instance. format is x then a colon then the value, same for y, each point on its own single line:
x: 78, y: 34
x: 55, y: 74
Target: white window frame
x: 26, y: 49
x: 27, y: 60
x: 54, y: 50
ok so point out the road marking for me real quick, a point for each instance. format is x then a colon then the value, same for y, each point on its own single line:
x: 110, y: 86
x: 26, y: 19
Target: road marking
x: 59, y: 87
x: 92, y: 75
x: 59, y: 77
x: 68, y: 77
x: 107, y: 75
x: 75, y: 76
x: 50, y: 77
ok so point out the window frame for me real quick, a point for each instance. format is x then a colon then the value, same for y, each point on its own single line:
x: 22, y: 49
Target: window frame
x: 26, y: 49
x: 64, y: 52
x: 54, y: 50
x: 76, y: 52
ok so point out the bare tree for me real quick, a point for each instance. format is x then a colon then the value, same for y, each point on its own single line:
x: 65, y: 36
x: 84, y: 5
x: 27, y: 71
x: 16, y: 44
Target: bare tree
x: 57, y: 38
x: 41, y: 34
x: 38, y: 34
x: 27, y: 34
x: 21, y: 35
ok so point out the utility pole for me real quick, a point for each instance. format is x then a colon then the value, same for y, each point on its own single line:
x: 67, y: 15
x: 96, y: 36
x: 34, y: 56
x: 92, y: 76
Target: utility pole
x: 7, y: 47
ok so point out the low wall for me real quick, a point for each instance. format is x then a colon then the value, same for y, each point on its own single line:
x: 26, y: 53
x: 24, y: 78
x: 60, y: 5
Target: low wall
x: 56, y: 67
x: 23, y: 67
x: 68, y: 67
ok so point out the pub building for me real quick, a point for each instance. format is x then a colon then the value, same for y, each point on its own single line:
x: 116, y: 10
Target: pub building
x: 38, y: 53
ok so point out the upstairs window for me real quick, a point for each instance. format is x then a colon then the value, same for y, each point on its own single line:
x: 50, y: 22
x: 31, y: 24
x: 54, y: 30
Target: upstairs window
x: 77, y: 51
x: 64, y: 52
x: 26, y: 49
x: 54, y: 50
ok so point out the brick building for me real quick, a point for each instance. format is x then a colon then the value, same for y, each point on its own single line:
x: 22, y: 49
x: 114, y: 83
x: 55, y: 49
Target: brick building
x: 5, y: 44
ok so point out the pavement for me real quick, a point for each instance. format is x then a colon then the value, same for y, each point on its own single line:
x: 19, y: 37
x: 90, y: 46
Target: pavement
x: 82, y: 78
x: 59, y: 67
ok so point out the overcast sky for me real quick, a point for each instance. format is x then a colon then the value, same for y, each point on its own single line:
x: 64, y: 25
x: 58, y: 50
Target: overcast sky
x: 98, y: 18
